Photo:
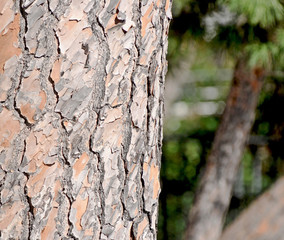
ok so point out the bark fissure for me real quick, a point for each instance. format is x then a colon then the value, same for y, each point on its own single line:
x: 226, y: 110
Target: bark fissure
x: 98, y: 97
x: 17, y: 90
x: 67, y: 179
x: 138, y: 43
x: 57, y: 100
x: 31, y: 209
x: 51, y: 12
x: 101, y: 193
x: 162, y: 79
x: 24, y: 16
x: 128, y: 135
x: 126, y: 146
x: 54, y: 91
x: 71, y: 226
x: 25, y: 59
x: 58, y: 43
x: 150, y: 103
x: 101, y: 215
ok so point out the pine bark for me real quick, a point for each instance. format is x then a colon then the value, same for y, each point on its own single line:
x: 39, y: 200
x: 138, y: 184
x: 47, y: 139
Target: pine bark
x: 81, y: 91
x: 213, y: 196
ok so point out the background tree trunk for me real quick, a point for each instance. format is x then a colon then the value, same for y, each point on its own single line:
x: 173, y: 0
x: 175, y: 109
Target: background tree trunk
x: 213, y: 197
x: 81, y: 91
x: 264, y: 218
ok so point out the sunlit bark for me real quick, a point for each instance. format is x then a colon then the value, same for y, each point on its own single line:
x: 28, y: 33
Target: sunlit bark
x: 81, y: 91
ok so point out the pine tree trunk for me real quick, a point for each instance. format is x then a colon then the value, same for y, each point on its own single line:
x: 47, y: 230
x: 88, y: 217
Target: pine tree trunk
x: 214, y: 194
x: 81, y: 91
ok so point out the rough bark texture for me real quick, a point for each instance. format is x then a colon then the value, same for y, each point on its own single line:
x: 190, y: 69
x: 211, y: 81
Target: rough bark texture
x: 263, y: 220
x: 81, y: 91
x: 214, y: 194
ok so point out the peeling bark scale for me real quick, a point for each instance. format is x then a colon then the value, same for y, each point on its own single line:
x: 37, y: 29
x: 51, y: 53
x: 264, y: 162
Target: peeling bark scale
x: 81, y: 92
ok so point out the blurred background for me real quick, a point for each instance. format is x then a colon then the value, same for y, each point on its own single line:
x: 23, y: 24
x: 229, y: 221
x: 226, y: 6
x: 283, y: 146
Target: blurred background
x: 205, y: 40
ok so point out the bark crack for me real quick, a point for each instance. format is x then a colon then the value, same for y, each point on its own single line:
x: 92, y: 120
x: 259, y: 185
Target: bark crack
x: 54, y: 91
x: 71, y: 225
x: 31, y: 209
x: 126, y: 147
x: 25, y: 59
x: 24, y: 15
x: 101, y: 217
x: 51, y: 12
x: 27, y: 123
x: 57, y: 100
x: 31, y: 215
x: 101, y: 192
x: 125, y: 171
x: 129, y: 120
x: 2, y: 182
x: 99, y: 94
x: 85, y: 47
x: 58, y: 42
x: 17, y: 89
x: 148, y: 132
x: 162, y: 78
x: 67, y: 189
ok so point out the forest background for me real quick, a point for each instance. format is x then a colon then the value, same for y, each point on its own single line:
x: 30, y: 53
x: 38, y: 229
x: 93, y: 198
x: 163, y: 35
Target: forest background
x: 205, y: 40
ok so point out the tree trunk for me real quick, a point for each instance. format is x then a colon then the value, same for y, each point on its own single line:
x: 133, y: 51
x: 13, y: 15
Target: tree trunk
x: 81, y: 91
x: 264, y: 218
x: 214, y: 194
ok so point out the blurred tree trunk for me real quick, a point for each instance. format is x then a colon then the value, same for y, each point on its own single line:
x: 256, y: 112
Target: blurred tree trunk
x: 81, y: 91
x: 264, y: 218
x: 213, y: 196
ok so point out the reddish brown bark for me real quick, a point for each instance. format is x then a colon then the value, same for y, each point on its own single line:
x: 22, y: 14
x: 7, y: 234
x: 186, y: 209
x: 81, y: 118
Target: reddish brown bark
x: 214, y: 193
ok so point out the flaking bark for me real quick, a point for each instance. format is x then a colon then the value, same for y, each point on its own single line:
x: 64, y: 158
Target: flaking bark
x: 81, y: 91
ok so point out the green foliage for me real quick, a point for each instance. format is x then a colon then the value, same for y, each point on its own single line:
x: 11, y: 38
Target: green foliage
x: 262, y: 54
x: 256, y: 29
x: 184, y: 154
x: 259, y: 12
x: 192, y: 154
x: 181, y: 5
x: 172, y: 151
x: 256, y: 32
x: 263, y: 37
x: 280, y: 38
x: 279, y: 41
x: 186, y: 25
x: 263, y: 128
x: 247, y: 168
x: 178, y: 48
